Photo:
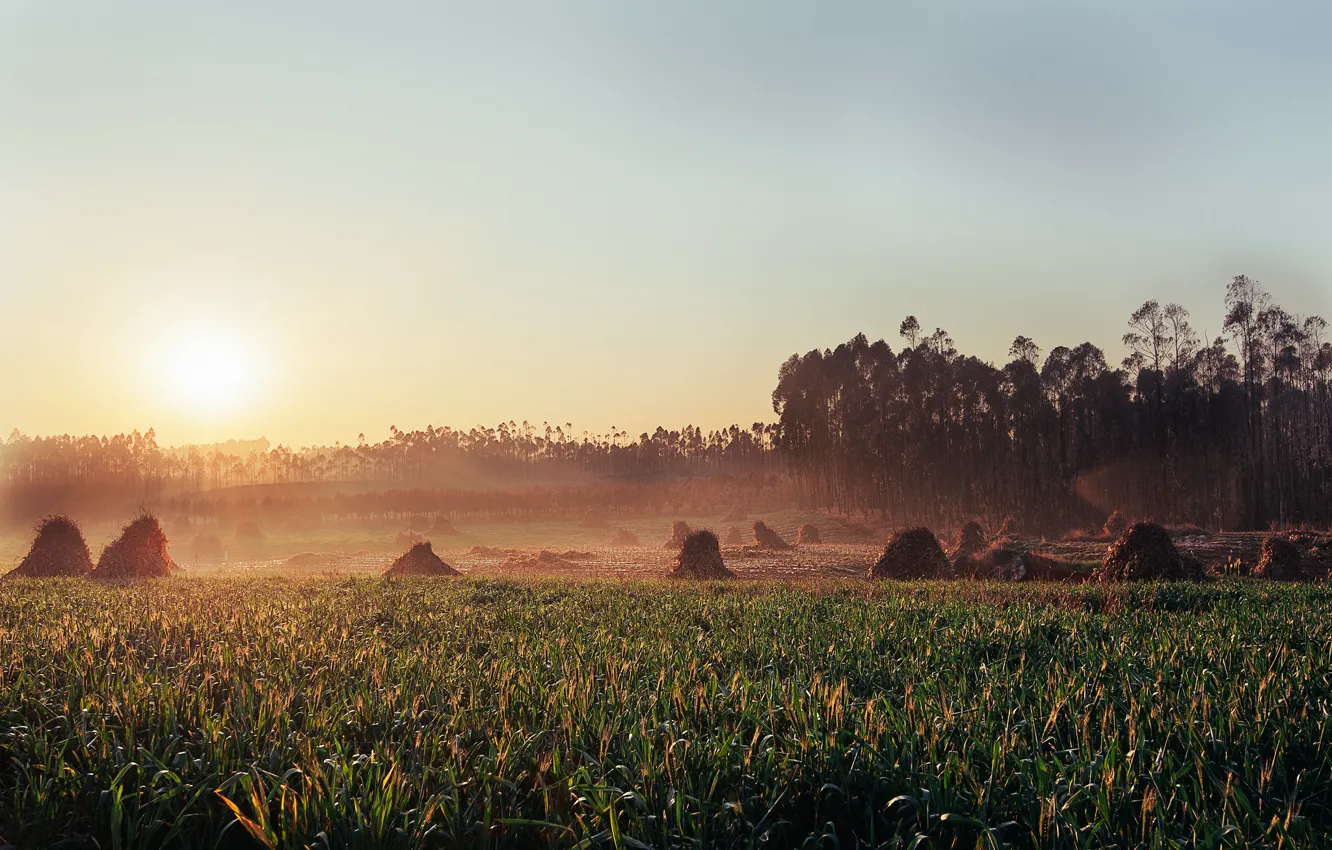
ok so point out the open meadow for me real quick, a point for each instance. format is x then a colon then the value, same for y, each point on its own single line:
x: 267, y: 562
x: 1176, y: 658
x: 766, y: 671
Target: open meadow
x: 354, y: 712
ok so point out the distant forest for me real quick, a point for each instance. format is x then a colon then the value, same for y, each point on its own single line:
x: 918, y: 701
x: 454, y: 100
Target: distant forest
x: 1233, y: 432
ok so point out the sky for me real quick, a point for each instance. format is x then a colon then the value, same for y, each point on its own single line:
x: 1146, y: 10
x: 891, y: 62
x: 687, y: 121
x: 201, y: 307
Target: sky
x: 312, y: 220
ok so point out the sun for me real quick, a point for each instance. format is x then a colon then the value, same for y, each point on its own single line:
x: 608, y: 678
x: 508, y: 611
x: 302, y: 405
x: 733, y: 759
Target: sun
x: 210, y: 373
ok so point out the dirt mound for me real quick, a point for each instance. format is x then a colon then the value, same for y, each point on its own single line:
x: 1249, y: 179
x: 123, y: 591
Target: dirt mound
x: 443, y: 527
x: 766, y: 538
x: 58, y: 550
x: 735, y: 537
x: 1115, y: 525
x: 624, y: 537
x: 139, y: 552
x: 808, y: 534
x: 736, y: 514
x: 700, y: 559
x: 1144, y: 552
x: 679, y: 531
x: 408, y: 538
x: 1280, y: 560
x: 971, y: 540
x: 207, y: 546
x: 248, y: 531
x: 420, y: 560
x: 914, y: 553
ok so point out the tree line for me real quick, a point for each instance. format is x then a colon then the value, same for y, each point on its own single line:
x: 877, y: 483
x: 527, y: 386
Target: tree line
x: 1233, y: 432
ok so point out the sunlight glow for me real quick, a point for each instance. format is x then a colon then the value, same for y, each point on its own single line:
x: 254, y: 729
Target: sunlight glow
x: 210, y: 374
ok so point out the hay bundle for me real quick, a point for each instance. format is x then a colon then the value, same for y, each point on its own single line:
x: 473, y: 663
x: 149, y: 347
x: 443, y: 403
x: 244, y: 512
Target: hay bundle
x: 206, y: 546
x: 1145, y: 551
x: 544, y: 560
x: 249, y: 530
x: 58, y: 550
x: 624, y: 537
x: 679, y: 531
x: 965, y: 566
x: 971, y: 540
x: 914, y: 553
x: 735, y: 514
x: 296, y: 525
x: 1040, y: 567
x: 1115, y: 524
x: 808, y: 534
x: 181, y: 525
x: 1280, y: 560
x: 408, y: 538
x: 734, y: 537
x: 766, y: 538
x: 443, y: 526
x: 700, y: 559
x: 420, y: 560
x: 1008, y: 529
x: 139, y: 552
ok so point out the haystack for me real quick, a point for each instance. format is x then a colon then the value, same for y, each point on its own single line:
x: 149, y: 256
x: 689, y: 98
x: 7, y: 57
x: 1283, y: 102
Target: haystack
x: 679, y: 531
x: 624, y: 537
x: 408, y: 538
x: 1115, y: 524
x: 1008, y: 529
x: 420, y: 560
x: 1144, y: 552
x: 766, y: 538
x: 914, y: 553
x: 735, y: 514
x: 734, y: 537
x: 206, y: 546
x: 700, y: 559
x: 181, y: 525
x: 249, y: 530
x: 971, y: 540
x: 443, y: 527
x: 808, y: 534
x: 139, y: 552
x: 545, y: 560
x: 58, y: 550
x: 1280, y: 560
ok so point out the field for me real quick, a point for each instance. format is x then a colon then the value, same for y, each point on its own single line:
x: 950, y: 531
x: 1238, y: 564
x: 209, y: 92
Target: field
x: 351, y: 712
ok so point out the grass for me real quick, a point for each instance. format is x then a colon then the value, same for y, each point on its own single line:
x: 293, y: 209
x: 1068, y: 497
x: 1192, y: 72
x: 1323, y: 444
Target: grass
x: 358, y: 713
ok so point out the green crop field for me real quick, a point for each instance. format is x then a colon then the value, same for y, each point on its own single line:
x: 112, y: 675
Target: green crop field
x: 358, y: 713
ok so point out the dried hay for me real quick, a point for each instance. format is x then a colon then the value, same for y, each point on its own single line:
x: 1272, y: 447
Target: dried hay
x: 139, y: 552
x: 766, y: 538
x: 735, y: 514
x: 700, y: 559
x: 58, y: 550
x: 206, y: 546
x: 249, y: 530
x: 576, y: 555
x: 735, y: 537
x: 808, y: 534
x: 679, y: 531
x: 408, y: 538
x: 1146, y: 552
x: 1115, y: 525
x: 420, y: 560
x: 181, y: 525
x: 971, y: 540
x: 913, y: 553
x: 1280, y: 560
x: 624, y: 537
x: 491, y: 552
x: 443, y: 527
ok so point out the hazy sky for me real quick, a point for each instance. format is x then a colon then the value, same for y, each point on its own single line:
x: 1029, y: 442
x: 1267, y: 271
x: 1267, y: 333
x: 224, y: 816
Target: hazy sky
x: 618, y: 213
